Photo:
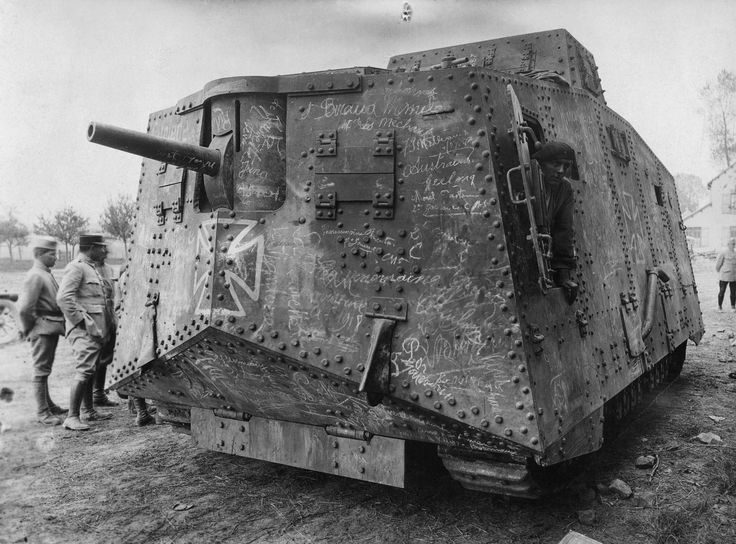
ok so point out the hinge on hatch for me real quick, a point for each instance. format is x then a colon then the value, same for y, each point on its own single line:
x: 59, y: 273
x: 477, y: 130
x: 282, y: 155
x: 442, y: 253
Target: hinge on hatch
x: 383, y: 205
x: 325, y: 203
x: 232, y: 414
x: 177, y: 209
x: 383, y: 144
x: 160, y: 213
x: 383, y: 202
x: 387, y: 308
x: 326, y: 144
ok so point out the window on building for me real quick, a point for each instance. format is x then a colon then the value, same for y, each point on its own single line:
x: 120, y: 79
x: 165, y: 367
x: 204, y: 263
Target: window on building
x: 729, y: 202
x: 726, y: 234
x: 695, y: 236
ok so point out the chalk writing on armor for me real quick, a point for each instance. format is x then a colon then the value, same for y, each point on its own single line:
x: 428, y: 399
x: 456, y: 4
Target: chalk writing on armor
x: 173, y: 132
x: 221, y: 120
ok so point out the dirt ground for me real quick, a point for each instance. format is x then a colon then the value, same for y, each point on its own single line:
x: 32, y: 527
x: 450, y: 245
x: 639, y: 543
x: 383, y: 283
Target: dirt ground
x: 121, y: 483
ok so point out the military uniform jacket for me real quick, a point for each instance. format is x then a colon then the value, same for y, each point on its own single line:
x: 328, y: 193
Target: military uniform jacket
x: 726, y: 265
x: 86, y: 295
x: 560, y: 209
x: 38, y: 310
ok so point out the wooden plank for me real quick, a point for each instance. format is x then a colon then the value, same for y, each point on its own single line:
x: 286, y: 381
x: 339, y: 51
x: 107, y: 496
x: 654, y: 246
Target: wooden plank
x: 576, y: 538
x: 380, y: 460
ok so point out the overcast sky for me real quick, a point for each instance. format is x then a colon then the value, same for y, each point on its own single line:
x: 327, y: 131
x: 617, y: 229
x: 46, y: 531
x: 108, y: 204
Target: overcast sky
x: 65, y: 63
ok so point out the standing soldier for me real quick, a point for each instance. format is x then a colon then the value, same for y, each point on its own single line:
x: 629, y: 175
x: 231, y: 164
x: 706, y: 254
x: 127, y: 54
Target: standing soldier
x: 726, y: 268
x: 42, y: 323
x: 86, y: 298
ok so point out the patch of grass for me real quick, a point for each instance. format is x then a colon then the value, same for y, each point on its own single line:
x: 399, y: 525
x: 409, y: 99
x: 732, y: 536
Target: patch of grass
x: 687, y: 431
x: 682, y: 525
x: 725, y: 480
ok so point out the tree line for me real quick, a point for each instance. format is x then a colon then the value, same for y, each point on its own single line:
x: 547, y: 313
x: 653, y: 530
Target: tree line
x: 66, y: 224
x: 718, y: 108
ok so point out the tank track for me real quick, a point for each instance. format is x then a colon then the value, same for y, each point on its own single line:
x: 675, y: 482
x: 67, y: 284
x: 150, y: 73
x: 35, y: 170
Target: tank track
x: 617, y: 409
x: 504, y: 475
x: 490, y: 473
x: 175, y: 415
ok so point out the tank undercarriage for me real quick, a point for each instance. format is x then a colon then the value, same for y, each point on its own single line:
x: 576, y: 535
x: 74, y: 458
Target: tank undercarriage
x: 497, y: 472
x: 525, y: 478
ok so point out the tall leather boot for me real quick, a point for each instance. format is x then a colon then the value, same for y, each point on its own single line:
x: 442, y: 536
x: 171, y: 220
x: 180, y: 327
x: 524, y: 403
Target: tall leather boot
x: 72, y: 421
x: 53, y: 407
x: 43, y: 413
x: 87, y: 412
x: 143, y: 416
x: 99, y: 398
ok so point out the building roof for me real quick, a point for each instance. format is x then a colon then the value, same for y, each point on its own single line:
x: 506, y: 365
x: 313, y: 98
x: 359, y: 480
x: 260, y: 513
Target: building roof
x: 696, y: 212
x: 732, y: 167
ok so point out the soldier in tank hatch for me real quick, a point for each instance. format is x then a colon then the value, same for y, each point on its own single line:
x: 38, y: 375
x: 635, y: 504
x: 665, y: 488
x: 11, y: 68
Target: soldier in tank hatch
x: 86, y: 299
x: 555, y: 160
x: 41, y: 323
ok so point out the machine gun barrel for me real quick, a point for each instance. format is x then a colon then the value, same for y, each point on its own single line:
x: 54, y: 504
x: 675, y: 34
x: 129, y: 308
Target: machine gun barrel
x: 194, y: 157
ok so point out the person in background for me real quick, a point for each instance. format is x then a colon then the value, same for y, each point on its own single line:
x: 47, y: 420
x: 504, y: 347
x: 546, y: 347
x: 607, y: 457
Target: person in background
x: 726, y: 268
x: 86, y: 299
x: 41, y: 323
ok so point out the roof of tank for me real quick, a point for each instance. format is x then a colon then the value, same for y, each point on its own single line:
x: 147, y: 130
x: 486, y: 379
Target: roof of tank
x: 552, y: 55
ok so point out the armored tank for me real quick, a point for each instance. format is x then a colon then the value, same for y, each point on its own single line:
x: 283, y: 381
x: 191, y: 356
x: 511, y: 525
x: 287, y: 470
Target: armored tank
x: 328, y: 268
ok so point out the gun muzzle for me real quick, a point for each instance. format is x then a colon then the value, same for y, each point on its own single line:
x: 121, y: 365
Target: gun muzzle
x: 194, y: 157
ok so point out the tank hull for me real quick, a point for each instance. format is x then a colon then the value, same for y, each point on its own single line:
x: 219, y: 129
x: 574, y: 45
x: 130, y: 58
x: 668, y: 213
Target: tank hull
x: 364, y: 265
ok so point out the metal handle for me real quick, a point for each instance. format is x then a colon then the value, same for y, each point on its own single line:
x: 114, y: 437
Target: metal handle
x: 508, y: 183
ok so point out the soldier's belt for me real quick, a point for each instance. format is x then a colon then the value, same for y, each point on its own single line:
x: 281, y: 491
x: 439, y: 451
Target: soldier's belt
x: 48, y: 313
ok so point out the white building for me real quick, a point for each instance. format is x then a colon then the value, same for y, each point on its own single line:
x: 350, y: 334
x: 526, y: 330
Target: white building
x: 710, y: 227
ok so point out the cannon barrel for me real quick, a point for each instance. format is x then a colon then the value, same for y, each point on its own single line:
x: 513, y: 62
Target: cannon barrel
x: 194, y: 157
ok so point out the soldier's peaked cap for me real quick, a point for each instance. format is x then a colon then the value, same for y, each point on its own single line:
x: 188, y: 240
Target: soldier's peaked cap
x: 91, y: 239
x: 552, y: 151
x: 43, y: 242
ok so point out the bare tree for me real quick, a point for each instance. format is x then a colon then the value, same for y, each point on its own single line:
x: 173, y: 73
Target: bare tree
x: 65, y: 225
x: 13, y: 233
x: 719, y: 99
x: 117, y: 218
x: 690, y: 192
